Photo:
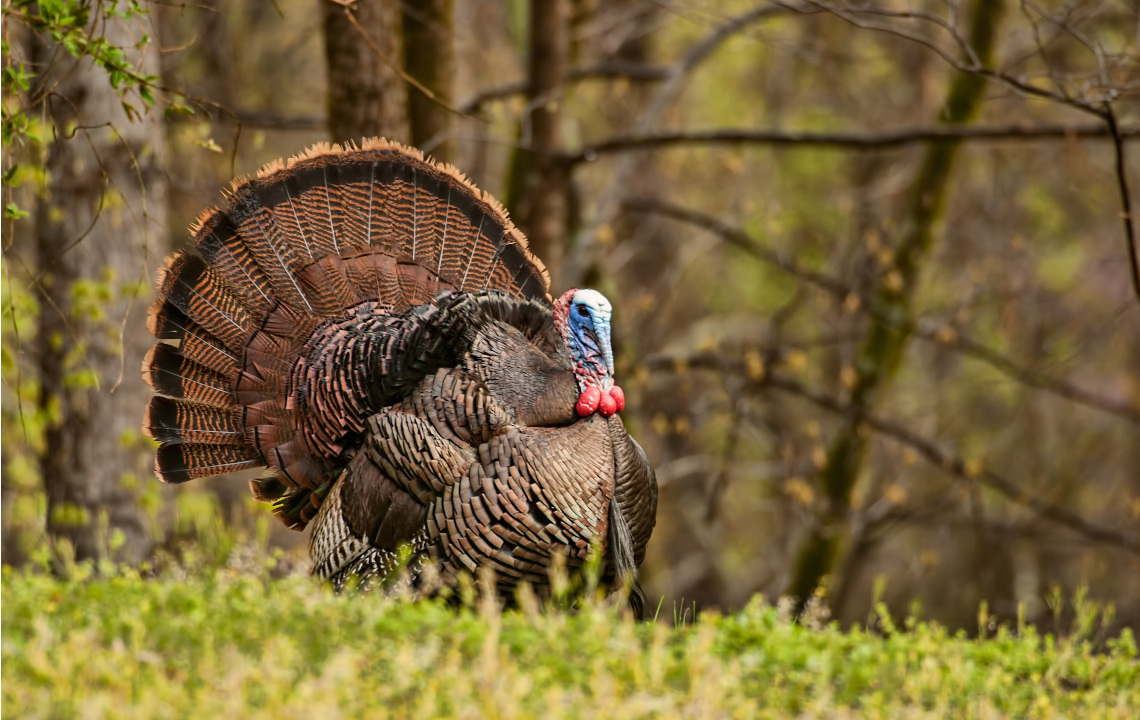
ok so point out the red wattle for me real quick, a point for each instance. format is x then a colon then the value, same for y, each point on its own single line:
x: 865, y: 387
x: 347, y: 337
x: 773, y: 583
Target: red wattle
x: 588, y: 401
x: 608, y: 405
x: 619, y: 397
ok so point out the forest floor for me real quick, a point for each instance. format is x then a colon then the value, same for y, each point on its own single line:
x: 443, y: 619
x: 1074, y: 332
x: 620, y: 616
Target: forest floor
x: 224, y: 643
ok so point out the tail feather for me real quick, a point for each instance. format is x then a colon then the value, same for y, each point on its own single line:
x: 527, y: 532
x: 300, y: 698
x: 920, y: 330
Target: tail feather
x: 258, y: 384
x: 375, y: 274
x: 294, y: 507
x: 416, y: 282
x: 220, y: 245
x: 349, y: 205
x: 267, y: 489
x: 402, y: 205
x: 176, y: 421
x: 311, y: 209
x: 328, y: 287
x: 293, y: 461
x: 170, y: 373
x: 297, y: 507
x: 195, y: 289
x: 167, y: 322
x: 178, y: 463
x: 276, y: 256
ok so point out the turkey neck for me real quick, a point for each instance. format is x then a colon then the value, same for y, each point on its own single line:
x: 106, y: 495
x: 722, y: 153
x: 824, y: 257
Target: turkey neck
x: 534, y: 382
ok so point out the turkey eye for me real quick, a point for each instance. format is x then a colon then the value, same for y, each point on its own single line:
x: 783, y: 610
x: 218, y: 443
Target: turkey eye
x: 583, y: 311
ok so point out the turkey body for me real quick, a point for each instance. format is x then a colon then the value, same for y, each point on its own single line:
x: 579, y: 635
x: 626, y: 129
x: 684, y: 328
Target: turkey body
x: 372, y: 328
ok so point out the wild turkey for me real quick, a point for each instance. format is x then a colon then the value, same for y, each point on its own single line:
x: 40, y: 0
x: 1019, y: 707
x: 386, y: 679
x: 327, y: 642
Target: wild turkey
x: 372, y: 328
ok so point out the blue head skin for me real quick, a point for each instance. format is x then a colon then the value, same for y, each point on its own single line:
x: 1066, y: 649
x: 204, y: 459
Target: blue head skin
x: 586, y: 314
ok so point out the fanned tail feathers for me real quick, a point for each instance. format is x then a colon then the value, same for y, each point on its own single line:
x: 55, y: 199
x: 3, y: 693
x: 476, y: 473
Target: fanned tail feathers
x: 303, y: 243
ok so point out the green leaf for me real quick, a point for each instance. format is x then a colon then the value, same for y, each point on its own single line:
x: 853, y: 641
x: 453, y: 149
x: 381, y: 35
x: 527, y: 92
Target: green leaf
x: 12, y: 211
x: 132, y: 113
x: 172, y: 110
x: 209, y: 144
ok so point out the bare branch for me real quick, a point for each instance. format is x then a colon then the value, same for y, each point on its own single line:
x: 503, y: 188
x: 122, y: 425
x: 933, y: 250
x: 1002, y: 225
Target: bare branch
x: 847, y: 140
x: 958, y: 467
x: 853, y: 16
x: 925, y: 447
x: 842, y: 291
x: 1101, y: 106
x: 616, y: 188
x: 267, y: 120
x: 1125, y: 198
x: 943, y: 518
x: 629, y: 71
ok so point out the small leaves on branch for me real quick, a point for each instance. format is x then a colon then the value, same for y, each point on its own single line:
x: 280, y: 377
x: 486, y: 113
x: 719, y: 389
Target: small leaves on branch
x: 74, y: 26
x: 13, y: 212
x: 77, y: 27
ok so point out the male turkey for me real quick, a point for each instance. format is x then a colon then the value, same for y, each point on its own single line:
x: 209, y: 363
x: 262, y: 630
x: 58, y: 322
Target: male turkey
x: 371, y: 327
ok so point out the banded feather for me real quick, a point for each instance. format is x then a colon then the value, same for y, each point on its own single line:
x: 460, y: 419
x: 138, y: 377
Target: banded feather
x: 195, y: 289
x: 175, y: 421
x: 169, y: 373
x: 179, y: 463
x: 167, y: 322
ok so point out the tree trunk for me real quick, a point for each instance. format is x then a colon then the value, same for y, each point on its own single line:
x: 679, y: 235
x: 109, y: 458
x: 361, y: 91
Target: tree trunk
x: 101, y: 218
x: 538, y: 185
x: 429, y: 57
x: 883, y: 345
x: 366, y: 93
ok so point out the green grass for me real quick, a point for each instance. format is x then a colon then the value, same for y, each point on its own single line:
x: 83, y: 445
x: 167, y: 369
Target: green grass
x: 224, y: 643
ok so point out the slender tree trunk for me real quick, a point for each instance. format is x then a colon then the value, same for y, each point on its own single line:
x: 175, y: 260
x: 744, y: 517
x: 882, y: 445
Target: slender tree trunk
x: 630, y: 42
x: 429, y: 57
x: 366, y: 96
x: 99, y: 224
x: 883, y: 345
x: 538, y: 185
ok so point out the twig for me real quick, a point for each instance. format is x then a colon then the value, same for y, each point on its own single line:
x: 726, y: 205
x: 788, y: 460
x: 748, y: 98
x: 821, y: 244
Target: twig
x: 847, y: 140
x: 619, y: 182
x: 1125, y: 197
x: 18, y: 365
x: 499, y: 92
x: 253, y: 119
x: 1025, y: 87
x: 720, y: 481
x: 630, y: 71
x: 929, y: 518
x: 957, y: 466
x: 925, y: 447
x: 1101, y: 107
x: 1009, y: 368
x: 842, y: 291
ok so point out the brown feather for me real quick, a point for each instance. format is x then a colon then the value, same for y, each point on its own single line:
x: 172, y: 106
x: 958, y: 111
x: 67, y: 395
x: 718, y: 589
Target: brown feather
x: 171, y: 374
x: 167, y: 322
x: 177, y: 421
x: 195, y: 289
x: 178, y: 463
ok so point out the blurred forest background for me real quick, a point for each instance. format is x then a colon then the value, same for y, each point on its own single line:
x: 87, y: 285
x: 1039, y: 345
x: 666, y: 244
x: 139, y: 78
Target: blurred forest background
x: 874, y: 275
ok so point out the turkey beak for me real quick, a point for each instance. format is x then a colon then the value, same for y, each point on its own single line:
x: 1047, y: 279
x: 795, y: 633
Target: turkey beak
x: 603, y: 330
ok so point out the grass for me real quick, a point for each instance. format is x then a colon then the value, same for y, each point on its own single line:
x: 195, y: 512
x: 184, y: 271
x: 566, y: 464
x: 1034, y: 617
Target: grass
x: 227, y: 643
